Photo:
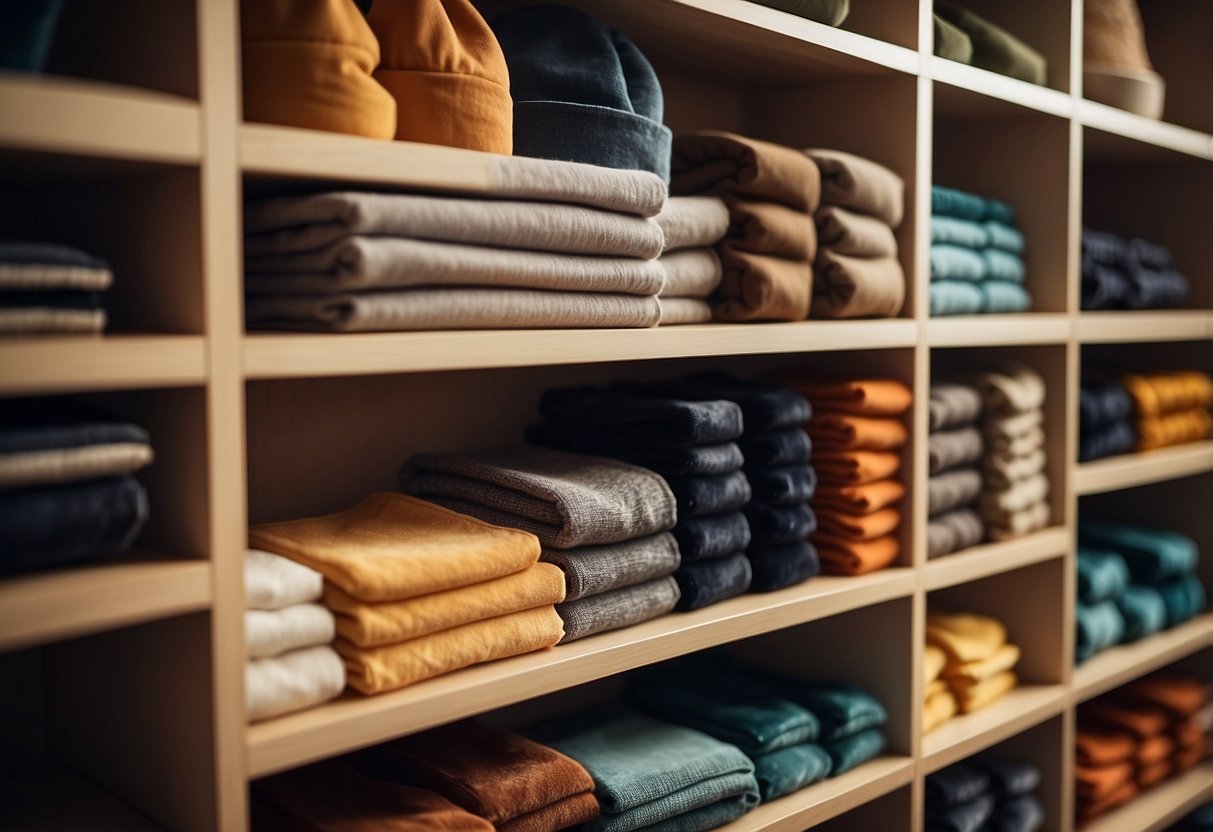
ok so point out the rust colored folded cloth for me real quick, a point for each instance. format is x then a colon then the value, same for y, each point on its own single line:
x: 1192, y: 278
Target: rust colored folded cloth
x: 857, y: 287
x: 986, y: 692
x: 393, y: 666
x: 845, y: 432
x: 938, y: 709
x: 770, y: 228
x: 1153, y: 774
x: 837, y: 526
x: 1141, y: 721
x: 757, y: 287
x: 856, y: 557
x: 858, y: 499
x: 1173, y: 429
x: 963, y: 675
x: 726, y: 164
x: 1160, y: 393
x: 391, y: 547
x: 860, y: 184
x: 859, y: 397
x: 854, y: 467
x: 1188, y: 757
x: 1097, y: 782
x: 965, y: 637
x: 855, y: 235
x: 1183, y: 696
x: 515, y: 783
x: 1096, y: 747
x: 374, y: 625
x: 1153, y: 750
x: 1088, y: 809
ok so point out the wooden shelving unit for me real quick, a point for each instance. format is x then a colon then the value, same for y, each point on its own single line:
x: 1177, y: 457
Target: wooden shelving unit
x: 136, y: 667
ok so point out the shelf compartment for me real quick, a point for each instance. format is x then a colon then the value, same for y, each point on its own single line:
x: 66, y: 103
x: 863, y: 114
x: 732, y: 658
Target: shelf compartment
x: 964, y: 736
x: 998, y: 330
x: 1145, y: 326
x: 63, y: 801
x: 356, y: 721
x: 967, y: 79
x: 1131, y: 470
x: 278, y: 356
x: 48, y: 606
x: 994, y: 558
x: 1121, y: 664
x: 1162, y: 805
x: 1150, y: 135
x: 65, y: 364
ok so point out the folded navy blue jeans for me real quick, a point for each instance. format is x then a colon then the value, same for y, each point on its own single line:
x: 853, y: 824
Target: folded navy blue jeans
x: 712, y: 537
x: 779, y: 524
x: 781, y: 565
x: 782, y: 486
x: 790, y: 446
x: 699, y: 496
x: 667, y: 460
x: 765, y: 407
x: 712, y: 580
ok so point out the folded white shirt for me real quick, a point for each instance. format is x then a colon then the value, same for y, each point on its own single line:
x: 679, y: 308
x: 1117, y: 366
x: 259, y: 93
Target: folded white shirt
x: 272, y: 632
x: 272, y: 582
x: 292, y: 681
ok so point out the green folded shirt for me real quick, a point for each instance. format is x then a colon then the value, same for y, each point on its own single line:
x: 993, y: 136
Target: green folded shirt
x: 841, y: 707
x: 848, y: 752
x: 1183, y: 598
x: 1144, y: 611
x: 957, y: 232
x: 994, y: 48
x: 1152, y: 555
x: 1002, y: 296
x: 790, y: 769
x: 949, y: 262
x: 1102, y: 574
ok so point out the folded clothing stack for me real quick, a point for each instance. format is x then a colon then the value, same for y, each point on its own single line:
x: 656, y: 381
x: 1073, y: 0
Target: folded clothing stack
x: 689, y: 443
x: 1171, y: 408
x: 553, y: 244
x: 291, y: 662
x: 857, y: 274
x: 955, y: 451
x: 978, y: 662
x: 51, y: 289
x: 1129, y: 274
x: 419, y: 590
x: 67, y: 486
x: 984, y: 794
x: 692, y: 226
x: 857, y: 431
x: 602, y: 524
x: 771, y: 193
x: 1014, y: 498
x: 796, y: 732
x: 976, y: 255
x: 1135, y: 738
x: 1105, y: 420
x: 963, y: 36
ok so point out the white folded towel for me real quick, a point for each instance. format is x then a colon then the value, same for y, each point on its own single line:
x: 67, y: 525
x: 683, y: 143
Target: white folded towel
x: 292, y: 681
x: 272, y: 582
x: 271, y: 632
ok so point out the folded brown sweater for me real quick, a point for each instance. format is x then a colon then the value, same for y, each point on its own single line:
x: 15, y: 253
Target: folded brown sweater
x: 726, y: 164
x: 854, y: 287
x: 1181, y: 695
x: 757, y: 287
x: 1097, y: 782
x: 1141, y: 721
x: 860, y: 184
x: 855, y: 235
x: 770, y: 228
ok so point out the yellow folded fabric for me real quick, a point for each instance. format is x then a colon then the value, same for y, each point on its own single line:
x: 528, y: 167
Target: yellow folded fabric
x: 1160, y: 393
x: 933, y: 661
x: 936, y: 687
x: 391, y: 547
x: 968, y: 674
x: 380, y: 669
x: 1173, y: 429
x: 373, y: 625
x: 937, y: 710
x: 965, y: 637
x: 986, y: 692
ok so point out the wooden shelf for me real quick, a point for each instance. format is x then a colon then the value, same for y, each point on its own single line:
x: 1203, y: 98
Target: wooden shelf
x: 999, y: 330
x: 49, y: 606
x: 1162, y: 805
x: 994, y: 558
x: 355, y: 721
x: 1144, y: 326
x: 1146, y: 131
x: 1117, y: 665
x: 64, y: 802
x: 1130, y: 470
x: 45, y: 114
x: 968, y: 79
x: 965, y: 735
x: 270, y: 355
x: 65, y: 364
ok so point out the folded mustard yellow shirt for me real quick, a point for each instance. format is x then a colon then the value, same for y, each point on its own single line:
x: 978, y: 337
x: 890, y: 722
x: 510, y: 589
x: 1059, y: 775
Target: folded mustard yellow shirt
x: 966, y: 675
x: 938, y: 709
x: 965, y: 637
x: 391, y: 547
x: 987, y: 692
x: 933, y: 661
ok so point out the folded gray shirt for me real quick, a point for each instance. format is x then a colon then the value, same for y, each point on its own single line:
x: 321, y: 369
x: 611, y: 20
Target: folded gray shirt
x: 691, y: 273
x: 693, y: 221
x: 953, y: 405
x: 949, y: 448
x: 590, y: 570
x: 951, y: 489
x: 618, y: 608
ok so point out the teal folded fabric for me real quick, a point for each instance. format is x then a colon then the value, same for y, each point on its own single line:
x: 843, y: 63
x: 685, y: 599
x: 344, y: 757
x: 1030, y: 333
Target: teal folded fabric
x: 950, y: 202
x: 848, y: 752
x: 841, y: 707
x: 1144, y: 611
x: 950, y: 262
x: 1003, y: 296
x: 958, y: 232
x: 1152, y: 555
x: 1183, y: 598
x: 790, y: 769
x: 1003, y: 265
x: 829, y: 12
x: 996, y: 49
x: 1102, y: 575
x: 952, y: 42
x: 999, y: 211
x: 955, y: 297
x: 649, y: 773
x: 1003, y: 235
x: 1099, y: 626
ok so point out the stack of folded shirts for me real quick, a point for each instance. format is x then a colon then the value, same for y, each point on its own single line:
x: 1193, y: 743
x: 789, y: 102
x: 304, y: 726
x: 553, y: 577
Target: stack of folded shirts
x: 1105, y: 420
x: 1135, y: 738
x: 67, y: 486
x: 692, y: 445
x: 418, y: 590
x: 963, y: 36
x: 939, y: 703
x: 978, y: 659
x: 1103, y: 580
x: 692, y: 226
x: 600, y: 521
x: 1171, y: 408
x: 291, y: 663
x: 1016, y: 489
x: 553, y: 244
x: 984, y: 793
x: 857, y: 431
x: 857, y: 274
x: 955, y: 453
x: 771, y: 193
x: 1129, y: 274
x: 976, y: 255
x: 47, y: 288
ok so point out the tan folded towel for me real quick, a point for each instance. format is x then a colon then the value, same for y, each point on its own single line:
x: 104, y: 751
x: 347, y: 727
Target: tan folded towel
x: 933, y: 662
x: 860, y: 184
x: 690, y: 273
x: 965, y: 637
x: 693, y: 222
x: 964, y: 675
x: 939, y: 708
x: 850, y: 287
x: 987, y: 692
x: 715, y: 162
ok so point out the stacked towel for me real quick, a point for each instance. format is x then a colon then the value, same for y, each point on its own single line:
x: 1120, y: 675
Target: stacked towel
x: 67, y: 486
x: 1105, y: 424
x: 1014, y: 498
x: 1171, y: 408
x: 291, y: 663
x: 51, y: 289
x: 554, y: 244
x: 419, y: 590
x: 857, y: 430
x: 963, y: 36
x: 984, y: 794
x: 1135, y: 738
x: 979, y: 661
x: 601, y: 523
x: 857, y: 271
x: 692, y: 444
x: 692, y: 226
x: 955, y: 449
x: 1129, y: 274
x: 771, y: 193
x: 976, y: 255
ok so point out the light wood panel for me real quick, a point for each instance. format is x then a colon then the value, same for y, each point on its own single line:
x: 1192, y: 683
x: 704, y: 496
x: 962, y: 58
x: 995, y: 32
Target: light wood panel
x: 995, y: 558
x: 1131, y: 470
x: 965, y: 735
x: 1125, y: 662
x: 1131, y: 327
x: 62, y: 364
x: 996, y: 330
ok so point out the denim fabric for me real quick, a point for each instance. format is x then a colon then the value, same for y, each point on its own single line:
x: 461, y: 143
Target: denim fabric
x: 1102, y: 575
x: 965, y: 817
x: 709, y: 581
x: 1019, y: 814
x: 626, y: 418
x: 1099, y: 626
x: 1008, y: 778
x: 790, y: 769
x: 782, y: 565
x: 667, y: 460
x: 1157, y: 289
x: 1104, y: 287
x: 1103, y: 403
x: 955, y: 785
x: 843, y: 709
x: 1129, y: 274
x: 1104, y: 247
x: 1144, y: 611
x: 712, y: 537
x: 766, y: 407
x: 699, y: 496
x: 782, y: 486
x: 27, y: 28
x: 1152, y: 555
x: 854, y: 750
x: 779, y: 524
x: 790, y: 446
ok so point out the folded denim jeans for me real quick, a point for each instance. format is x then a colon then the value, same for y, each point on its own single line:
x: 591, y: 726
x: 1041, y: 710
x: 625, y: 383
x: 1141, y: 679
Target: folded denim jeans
x: 955, y: 785
x: 765, y: 407
x: 1008, y: 778
x: 772, y: 525
x: 790, y: 446
x: 1103, y: 403
x: 712, y: 580
x: 779, y: 565
x: 712, y: 537
x: 1023, y: 813
x: 699, y: 496
x: 784, y: 485
x: 1109, y: 440
x: 964, y: 817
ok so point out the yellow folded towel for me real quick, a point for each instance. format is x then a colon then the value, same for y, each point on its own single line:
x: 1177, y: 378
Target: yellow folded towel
x: 966, y: 675
x: 933, y: 661
x: 965, y: 637
x: 986, y: 692
x: 939, y: 708
x: 936, y: 687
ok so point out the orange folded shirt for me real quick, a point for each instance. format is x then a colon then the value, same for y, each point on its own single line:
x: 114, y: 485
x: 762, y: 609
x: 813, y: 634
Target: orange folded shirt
x: 1121, y: 795
x: 844, y: 527
x: 1154, y: 774
x: 1097, y: 782
x: 1101, y: 748
x: 1153, y: 750
x: 1140, y: 721
x: 857, y: 558
x: 854, y: 467
x: 1187, y: 734
x: 1181, y: 695
x: 844, y: 431
x: 858, y: 499
x: 1189, y: 757
x: 861, y: 397
x: 1173, y: 429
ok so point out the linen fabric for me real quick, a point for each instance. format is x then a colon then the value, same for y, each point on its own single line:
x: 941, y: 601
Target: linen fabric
x: 854, y: 467
x: 770, y: 228
x: 952, y: 531
x: 712, y: 580
x: 693, y: 222
x: 852, y: 234
x: 948, y: 449
x: 683, y: 311
x: 591, y: 570
x: 272, y: 582
x: 860, y: 184
x: 690, y: 273
x: 637, y: 192
x: 758, y: 287
x: 994, y: 48
x: 726, y: 164
x: 292, y: 681
x: 618, y: 608
x: 272, y: 632
x: 1002, y: 470
x: 852, y: 287
x: 1007, y: 525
